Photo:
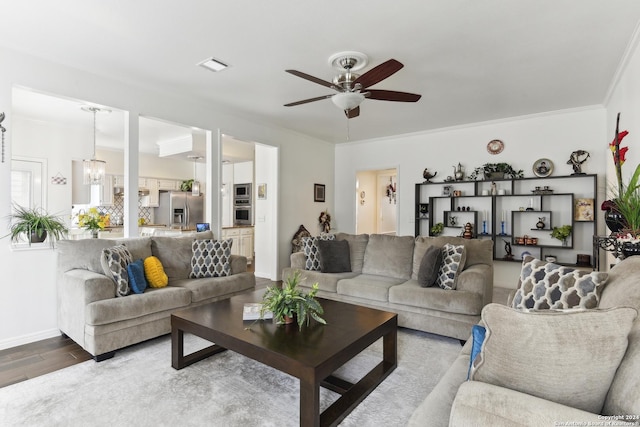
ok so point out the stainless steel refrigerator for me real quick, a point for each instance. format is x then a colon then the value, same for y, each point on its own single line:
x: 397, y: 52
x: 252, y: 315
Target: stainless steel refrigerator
x: 179, y: 209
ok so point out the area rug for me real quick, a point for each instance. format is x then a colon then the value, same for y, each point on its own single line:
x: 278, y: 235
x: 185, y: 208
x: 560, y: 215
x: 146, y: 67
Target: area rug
x: 138, y: 387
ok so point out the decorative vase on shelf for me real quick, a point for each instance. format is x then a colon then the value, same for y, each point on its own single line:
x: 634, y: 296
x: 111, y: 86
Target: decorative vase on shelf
x: 94, y: 234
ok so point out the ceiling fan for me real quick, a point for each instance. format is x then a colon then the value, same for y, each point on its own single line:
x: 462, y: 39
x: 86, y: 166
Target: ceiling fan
x: 352, y: 88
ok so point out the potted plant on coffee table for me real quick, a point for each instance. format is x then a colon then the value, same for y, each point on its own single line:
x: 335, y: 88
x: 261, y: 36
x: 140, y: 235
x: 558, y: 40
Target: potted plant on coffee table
x: 289, y: 303
x: 36, y: 224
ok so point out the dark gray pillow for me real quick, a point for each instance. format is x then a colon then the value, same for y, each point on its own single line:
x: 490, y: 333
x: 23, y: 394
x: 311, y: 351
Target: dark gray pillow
x: 429, y: 266
x: 334, y: 256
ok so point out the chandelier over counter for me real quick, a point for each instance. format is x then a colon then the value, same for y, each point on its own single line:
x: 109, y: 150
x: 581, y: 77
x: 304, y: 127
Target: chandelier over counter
x: 93, y: 169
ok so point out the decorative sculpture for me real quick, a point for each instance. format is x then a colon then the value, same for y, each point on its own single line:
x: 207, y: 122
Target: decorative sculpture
x: 428, y: 175
x: 576, y: 160
x: 507, y: 249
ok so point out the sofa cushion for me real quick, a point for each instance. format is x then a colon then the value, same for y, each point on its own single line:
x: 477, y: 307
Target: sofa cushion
x: 334, y: 256
x: 430, y: 266
x: 327, y: 282
x: 453, y: 259
x: 478, y: 251
x: 154, y: 272
x: 368, y: 286
x: 389, y: 256
x: 215, y: 287
x: 545, y: 285
x: 140, y: 247
x: 410, y: 293
x: 113, y: 310
x: 357, y: 247
x: 114, y: 261
x: 137, y: 281
x: 569, y: 357
x: 311, y: 252
x: 210, y: 258
x: 85, y: 254
x: 175, y: 253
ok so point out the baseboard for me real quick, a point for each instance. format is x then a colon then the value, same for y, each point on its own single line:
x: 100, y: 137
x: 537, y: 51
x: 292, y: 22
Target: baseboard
x: 29, y: 338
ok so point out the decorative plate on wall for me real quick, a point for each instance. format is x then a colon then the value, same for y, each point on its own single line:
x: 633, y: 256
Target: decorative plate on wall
x: 495, y: 146
x: 542, y: 167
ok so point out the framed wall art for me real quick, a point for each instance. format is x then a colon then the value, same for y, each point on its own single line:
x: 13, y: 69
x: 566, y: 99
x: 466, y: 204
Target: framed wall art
x: 583, y: 210
x: 542, y: 168
x: 318, y: 192
x: 262, y: 191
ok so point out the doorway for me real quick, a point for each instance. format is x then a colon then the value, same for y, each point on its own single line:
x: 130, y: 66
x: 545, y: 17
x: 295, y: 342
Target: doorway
x: 376, y: 201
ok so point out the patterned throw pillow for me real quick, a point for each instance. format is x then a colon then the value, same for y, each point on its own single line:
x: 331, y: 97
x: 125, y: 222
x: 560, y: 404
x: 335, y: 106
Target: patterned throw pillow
x: 453, y: 258
x: 210, y: 258
x: 114, y: 262
x: 311, y: 252
x: 154, y: 272
x: 545, y: 285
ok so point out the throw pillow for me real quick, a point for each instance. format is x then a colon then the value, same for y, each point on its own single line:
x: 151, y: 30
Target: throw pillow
x: 545, y: 285
x: 477, y: 335
x: 114, y: 262
x: 137, y: 281
x: 310, y: 247
x: 453, y: 257
x: 210, y: 258
x: 568, y: 357
x: 430, y: 266
x: 334, y: 256
x: 296, y: 242
x: 154, y: 272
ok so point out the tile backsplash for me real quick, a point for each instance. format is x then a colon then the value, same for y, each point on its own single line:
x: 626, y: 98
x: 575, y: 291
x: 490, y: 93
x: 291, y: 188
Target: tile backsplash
x: 118, y: 209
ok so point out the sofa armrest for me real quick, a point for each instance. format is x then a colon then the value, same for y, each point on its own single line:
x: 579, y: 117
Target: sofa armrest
x: 477, y: 279
x: 478, y: 403
x: 75, y: 290
x: 298, y: 260
x: 238, y: 264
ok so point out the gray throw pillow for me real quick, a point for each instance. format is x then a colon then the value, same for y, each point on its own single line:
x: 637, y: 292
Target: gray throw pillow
x: 334, y: 256
x: 430, y: 266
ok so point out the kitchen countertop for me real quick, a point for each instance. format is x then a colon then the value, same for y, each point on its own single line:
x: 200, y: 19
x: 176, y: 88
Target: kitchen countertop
x: 237, y: 226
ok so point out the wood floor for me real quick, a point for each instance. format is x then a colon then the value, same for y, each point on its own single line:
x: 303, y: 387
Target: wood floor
x: 31, y: 360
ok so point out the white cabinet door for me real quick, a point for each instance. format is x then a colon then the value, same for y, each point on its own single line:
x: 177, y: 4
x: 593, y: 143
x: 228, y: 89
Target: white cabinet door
x: 152, y: 200
x: 243, y: 173
x: 102, y: 195
x: 168, y: 184
x: 234, y: 235
x: 246, y: 243
x: 118, y: 181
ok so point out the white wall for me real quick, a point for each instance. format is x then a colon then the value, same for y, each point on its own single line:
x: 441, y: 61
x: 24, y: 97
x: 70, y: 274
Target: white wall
x: 27, y: 308
x: 266, y: 212
x: 554, y: 135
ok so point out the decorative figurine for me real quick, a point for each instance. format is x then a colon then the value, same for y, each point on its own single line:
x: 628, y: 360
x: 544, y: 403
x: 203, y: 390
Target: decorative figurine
x: 540, y: 223
x: 428, y: 175
x: 452, y: 221
x: 494, y: 189
x: 468, y: 231
x: 507, y: 249
x: 458, y: 173
x: 576, y: 160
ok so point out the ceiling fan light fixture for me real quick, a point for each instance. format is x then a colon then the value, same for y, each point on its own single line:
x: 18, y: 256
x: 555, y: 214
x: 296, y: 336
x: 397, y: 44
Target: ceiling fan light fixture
x: 347, y: 100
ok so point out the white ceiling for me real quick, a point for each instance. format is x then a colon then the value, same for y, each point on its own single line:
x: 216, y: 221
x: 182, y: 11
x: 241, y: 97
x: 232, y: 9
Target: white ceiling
x: 471, y: 60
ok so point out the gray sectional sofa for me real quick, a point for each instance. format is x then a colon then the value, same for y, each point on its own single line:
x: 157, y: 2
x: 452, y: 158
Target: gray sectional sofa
x: 384, y: 275
x: 458, y: 402
x: 94, y: 317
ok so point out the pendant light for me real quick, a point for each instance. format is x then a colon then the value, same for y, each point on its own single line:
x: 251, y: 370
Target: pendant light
x: 195, y: 187
x: 94, y: 170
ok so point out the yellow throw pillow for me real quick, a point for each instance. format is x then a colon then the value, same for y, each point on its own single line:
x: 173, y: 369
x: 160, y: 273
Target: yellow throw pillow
x: 154, y: 273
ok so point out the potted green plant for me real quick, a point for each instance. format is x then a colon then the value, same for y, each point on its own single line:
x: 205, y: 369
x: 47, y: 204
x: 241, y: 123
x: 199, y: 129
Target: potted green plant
x: 437, y: 229
x: 36, y: 225
x: 186, y: 185
x: 496, y: 171
x: 561, y: 233
x: 290, y: 301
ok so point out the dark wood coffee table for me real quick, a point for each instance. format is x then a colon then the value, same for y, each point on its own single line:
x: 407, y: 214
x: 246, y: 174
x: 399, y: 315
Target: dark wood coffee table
x: 311, y: 355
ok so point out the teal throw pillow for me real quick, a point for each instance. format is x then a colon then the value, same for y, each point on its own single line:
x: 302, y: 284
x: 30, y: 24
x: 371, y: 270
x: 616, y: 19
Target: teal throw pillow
x: 477, y: 334
x: 137, y: 281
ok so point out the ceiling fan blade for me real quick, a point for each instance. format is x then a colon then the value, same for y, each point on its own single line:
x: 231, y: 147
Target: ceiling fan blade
x: 305, y: 101
x: 392, y: 95
x: 311, y: 78
x: 379, y: 73
x: 354, y: 112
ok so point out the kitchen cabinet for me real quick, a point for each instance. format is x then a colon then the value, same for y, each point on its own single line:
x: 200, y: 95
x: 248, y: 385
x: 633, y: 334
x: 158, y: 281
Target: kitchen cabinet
x: 118, y: 180
x: 242, y: 238
x: 102, y: 195
x: 151, y: 200
x: 168, y: 184
x: 243, y: 173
